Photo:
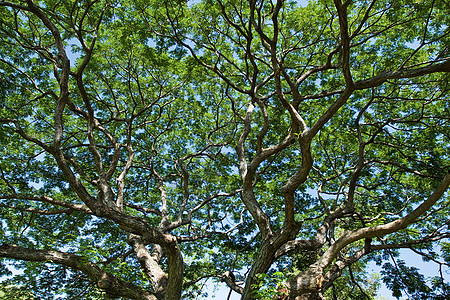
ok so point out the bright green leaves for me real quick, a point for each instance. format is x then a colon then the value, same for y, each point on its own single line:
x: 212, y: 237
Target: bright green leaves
x: 268, y: 286
x: 158, y: 103
x: 356, y: 283
x: 403, y: 31
x: 13, y: 292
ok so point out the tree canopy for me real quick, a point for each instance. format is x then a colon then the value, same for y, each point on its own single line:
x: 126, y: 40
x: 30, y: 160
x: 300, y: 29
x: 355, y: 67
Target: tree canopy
x: 149, y: 146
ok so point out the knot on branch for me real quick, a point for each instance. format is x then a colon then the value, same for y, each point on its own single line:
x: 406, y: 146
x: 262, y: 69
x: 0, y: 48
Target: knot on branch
x: 105, y: 282
x: 228, y: 276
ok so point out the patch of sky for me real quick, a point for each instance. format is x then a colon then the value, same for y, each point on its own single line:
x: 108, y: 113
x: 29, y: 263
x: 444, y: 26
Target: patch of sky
x: 72, y: 51
x: 220, y: 291
x: 303, y: 3
x: 36, y: 184
x: 190, y: 3
x: 413, y: 45
x: 151, y: 43
x: 227, y: 150
x: 11, y: 267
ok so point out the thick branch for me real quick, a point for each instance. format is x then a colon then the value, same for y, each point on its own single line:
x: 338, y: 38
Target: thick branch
x: 298, y: 283
x: 107, y: 282
x: 248, y: 196
x: 405, y: 73
x: 345, y: 40
x: 149, y: 264
x: 230, y: 280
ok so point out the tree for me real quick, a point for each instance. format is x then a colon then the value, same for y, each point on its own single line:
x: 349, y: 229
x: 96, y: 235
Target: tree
x: 147, y: 146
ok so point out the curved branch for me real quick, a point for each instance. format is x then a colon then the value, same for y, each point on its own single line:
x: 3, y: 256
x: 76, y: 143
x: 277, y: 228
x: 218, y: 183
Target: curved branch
x: 149, y: 264
x: 46, y: 199
x: 314, y: 274
x: 378, y: 80
x: 107, y: 282
x: 230, y: 280
x: 345, y: 40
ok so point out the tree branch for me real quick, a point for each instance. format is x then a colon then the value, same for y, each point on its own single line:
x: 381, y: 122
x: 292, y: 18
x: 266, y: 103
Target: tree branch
x: 107, y: 282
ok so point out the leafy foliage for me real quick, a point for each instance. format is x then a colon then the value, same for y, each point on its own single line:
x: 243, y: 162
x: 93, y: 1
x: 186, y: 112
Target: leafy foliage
x: 403, y: 279
x: 150, y: 146
x: 12, y: 292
